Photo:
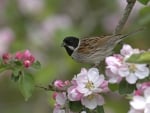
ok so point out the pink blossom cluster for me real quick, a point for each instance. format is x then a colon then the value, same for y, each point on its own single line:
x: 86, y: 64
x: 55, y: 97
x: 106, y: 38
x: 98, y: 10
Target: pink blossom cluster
x: 25, y: 57
x: 117, y: 68
x: 87, y: 87
x: 140, y: 102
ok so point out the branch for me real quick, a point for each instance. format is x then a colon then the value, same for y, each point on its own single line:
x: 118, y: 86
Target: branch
x: 52, y: 88
x: 126, y: 14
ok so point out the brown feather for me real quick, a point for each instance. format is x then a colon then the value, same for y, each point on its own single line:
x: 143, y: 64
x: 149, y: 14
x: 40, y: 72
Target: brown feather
x: 88, y: 45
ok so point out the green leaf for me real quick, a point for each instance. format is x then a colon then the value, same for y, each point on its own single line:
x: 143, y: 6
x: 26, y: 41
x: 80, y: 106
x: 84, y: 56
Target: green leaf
x: 113, y: 87
x: 26, y: 85
x: 100, y: 109
x: 36, y: 65
x: 14, y: 78
x: 144, y: 18
x: 126, y: 88
x: 144, y: 1
x: 75, y: 106
x: 16, y: 74
x: 18, y: 63
x: 140, y: 58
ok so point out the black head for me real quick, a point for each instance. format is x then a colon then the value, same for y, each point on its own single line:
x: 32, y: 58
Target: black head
x: 70, y: 43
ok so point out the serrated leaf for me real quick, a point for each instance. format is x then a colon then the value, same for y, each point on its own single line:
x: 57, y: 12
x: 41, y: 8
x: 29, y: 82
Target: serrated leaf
x: 36, y: 65
x: 113, y: 87
x: 99, y: 109
x: 26, y: 85
x: 143, y: 58
x: 144, y: 1
x: 126, y: 88
x: 75, y: 106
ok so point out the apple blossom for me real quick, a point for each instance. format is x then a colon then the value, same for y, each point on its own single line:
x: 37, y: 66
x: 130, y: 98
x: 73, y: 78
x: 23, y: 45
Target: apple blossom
x: 141, y: 103
x: 26, y: 57
x: 61, y: 103
x: 133, y: 72
x: 117, y: 68
x: 89, y: 82
x: 92, y: 101
x: 87, y: 86
x: 74, y: 94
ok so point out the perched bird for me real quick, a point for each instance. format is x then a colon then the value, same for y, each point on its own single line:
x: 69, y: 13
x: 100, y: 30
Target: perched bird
x: 92, y: 50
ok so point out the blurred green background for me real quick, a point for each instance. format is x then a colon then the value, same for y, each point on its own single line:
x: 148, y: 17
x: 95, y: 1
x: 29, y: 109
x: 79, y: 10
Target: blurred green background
x: 41, y: 25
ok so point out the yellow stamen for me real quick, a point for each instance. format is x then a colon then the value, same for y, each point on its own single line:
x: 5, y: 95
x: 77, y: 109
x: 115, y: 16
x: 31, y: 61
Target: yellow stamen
x: 132, y: 67
x: 89, y: 85
x: 90, y: 97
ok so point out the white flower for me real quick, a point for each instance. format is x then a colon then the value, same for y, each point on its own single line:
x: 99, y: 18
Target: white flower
x: 83, y: 112
x: 113, y: 64
x: 127, y: 50
x: 117, y: 67
x: 92, y: 101
x: 86, y: 87
x: 141, y: 103
x: 73, y: 94
x: 61, y: 98
x: 133, y: 72
x: 135, y: 111
x: 61, y: 101
x: 58, y: 110
x: 88, y: 82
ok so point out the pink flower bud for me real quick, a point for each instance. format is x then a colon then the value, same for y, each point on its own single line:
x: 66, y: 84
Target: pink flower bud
x: 18, y: 56
x: 27, y: 63
x: 26, y: 54
x: 26, y: 57
x: 59, y: 84
x: 6, y: 56
x: 67, y: 82
x: 141, y: 88
x: 138, y: 92
x: 31, y: 58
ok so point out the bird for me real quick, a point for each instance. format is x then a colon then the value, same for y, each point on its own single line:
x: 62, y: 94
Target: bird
x: 92, y: 50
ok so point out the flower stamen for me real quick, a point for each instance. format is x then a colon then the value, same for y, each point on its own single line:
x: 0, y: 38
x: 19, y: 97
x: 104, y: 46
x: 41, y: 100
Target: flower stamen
x: 89, y: 85
x: 132, y: 68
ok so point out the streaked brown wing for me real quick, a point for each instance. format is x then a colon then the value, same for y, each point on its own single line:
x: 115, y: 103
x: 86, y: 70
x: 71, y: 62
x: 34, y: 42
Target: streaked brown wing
x: 88, y: 45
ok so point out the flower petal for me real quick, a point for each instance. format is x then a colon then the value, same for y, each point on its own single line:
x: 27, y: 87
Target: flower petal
x: 131, y: 79
x: 138, y: 102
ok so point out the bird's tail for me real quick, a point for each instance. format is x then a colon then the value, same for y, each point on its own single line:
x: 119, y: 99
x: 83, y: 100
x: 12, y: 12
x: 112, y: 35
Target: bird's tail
x: 119, y: 37
x: 132, y: 32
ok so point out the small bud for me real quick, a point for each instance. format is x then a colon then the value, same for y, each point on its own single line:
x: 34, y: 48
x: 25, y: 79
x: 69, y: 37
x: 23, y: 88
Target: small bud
x: 31, y: 58
x: 27, y: 63
x: 59, y: 84
x: 6, y: 56
x: 67, y: 82
x: 18, y: 56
